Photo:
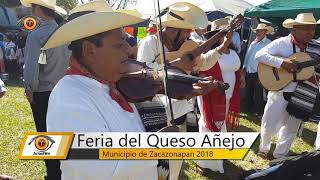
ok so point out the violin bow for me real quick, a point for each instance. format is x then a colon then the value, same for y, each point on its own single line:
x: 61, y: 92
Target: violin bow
x: 163, y: 56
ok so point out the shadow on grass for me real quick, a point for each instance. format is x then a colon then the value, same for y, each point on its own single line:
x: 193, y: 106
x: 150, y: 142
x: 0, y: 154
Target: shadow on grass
x: 309, y: 136
x: 14, y: 83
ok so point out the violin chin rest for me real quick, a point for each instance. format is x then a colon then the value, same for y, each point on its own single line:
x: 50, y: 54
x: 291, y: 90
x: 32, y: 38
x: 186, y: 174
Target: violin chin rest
x: 169, y: 129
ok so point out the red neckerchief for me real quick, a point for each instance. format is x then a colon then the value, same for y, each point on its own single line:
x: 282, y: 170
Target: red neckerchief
x: 214, y: 103
x: 302, y: 46
x: 76, y: 69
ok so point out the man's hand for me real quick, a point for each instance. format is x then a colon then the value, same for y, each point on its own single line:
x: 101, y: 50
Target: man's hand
x: 29, y: 95
x: 289, y: 66
x: 205, y: 87
x: 184, y: 63
x: 226, y: 42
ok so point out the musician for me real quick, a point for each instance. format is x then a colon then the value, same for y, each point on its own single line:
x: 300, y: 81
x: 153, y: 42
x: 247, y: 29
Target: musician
x: 86, y: 100
x: 39, y: 79
x: 275, y: 118
x: 178, y: 23
x: 254, y: 91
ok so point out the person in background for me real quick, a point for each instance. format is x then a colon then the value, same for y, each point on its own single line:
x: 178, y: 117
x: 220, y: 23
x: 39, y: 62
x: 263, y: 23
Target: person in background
x: 221, y: 23
x: 2, y: 65
x: 254, y: 91
x: 10, y: 55
x: 2, y: 89
x: 217, y: 109
x: 8, y: 16
x: 41, y: 73
x: 276, y: 120
x: 198, y: 35
x: 152, y: 29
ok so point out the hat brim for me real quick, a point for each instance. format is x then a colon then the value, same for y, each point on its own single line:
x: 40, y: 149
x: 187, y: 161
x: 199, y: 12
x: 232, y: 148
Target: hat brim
x: 57, y: 9
x: 178, y: 24
x: 97, y: 6
x: 88, y: 25
x: 269, y: 29
x: 199, y: 20
x: 289, y: 23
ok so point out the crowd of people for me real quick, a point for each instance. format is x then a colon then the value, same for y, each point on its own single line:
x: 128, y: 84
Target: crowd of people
x: 70, y: 74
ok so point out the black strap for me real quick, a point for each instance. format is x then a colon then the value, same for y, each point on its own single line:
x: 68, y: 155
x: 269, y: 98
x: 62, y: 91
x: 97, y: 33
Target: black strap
x: 294, y: 74
x: 275, y: 73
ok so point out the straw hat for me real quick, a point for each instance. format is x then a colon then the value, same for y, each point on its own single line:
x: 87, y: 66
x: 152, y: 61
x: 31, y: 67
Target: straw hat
x: 88, y: 25
x: 97, y: 5
x: 50, y: 4
x: 184, y: 15
x: 219, y: 24
x: 101, y: 6
x: 269, y: 29
x: 301, y: 19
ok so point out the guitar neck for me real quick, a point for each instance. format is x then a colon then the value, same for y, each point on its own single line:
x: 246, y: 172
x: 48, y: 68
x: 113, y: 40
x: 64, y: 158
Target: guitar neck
x: 305, y: 64
x: 206, y: 46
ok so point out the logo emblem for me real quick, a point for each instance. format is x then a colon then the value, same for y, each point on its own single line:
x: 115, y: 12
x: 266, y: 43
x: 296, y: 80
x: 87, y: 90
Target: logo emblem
x: 42, y: 143
x: 29, y: 23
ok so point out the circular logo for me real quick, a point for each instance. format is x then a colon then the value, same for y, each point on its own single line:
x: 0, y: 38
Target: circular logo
x: 29, y: 23
x: 42, y: 143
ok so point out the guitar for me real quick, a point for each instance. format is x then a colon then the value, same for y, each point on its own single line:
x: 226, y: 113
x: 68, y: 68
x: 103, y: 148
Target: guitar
x: 275, y: 79
x: 193, y: 49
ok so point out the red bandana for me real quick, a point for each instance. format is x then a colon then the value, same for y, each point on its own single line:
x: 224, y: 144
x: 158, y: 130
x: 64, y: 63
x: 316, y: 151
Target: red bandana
x: 214, y: 103
x: 302, y: 46
x: 76, y: 69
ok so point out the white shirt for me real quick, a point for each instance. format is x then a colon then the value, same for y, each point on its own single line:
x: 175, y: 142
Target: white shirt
x: 81, y: 104
x: 250, y: 62
x: 196, y: 37
x: 236, y: 41
x: 148, y: 50
x: 229, y: 64
x: 274, y: 54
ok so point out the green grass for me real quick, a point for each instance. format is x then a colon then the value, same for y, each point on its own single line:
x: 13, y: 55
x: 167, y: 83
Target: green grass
x: 16, y: 119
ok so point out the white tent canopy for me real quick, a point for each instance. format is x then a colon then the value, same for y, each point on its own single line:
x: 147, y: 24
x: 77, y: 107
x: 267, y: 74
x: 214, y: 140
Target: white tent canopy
x: 233, y: 7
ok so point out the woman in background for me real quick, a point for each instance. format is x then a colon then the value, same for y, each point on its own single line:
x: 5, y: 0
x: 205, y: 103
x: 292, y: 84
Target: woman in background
x: 219, y: 108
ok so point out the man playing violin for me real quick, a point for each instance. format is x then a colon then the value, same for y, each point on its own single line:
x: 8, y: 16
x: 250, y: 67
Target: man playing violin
x: 86, y: 100
x: 275, y: 118
x: 178, y: 23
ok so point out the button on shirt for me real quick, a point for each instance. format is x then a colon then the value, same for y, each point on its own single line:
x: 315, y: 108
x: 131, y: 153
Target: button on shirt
x: 82, y: 104
x: 250, y: 62
x: 274, y: 54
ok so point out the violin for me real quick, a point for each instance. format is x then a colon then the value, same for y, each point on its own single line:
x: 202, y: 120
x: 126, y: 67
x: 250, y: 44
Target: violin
x: 139, y: 83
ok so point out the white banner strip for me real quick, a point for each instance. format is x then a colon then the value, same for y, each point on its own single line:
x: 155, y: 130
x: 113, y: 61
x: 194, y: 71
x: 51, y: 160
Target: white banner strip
x: 230, y: 140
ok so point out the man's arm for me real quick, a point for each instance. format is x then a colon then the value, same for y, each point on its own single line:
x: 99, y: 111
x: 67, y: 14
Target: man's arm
x: 209, y: 59
x: 146, y: 52
x: 266, y: 56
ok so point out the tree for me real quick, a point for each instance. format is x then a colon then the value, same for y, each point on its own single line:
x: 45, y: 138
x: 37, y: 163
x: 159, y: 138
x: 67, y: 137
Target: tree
x: 67, y: 4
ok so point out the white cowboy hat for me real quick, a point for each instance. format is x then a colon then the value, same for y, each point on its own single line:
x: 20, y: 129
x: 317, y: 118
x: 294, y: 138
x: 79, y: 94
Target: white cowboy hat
x: 269, y: 29
x: 97, y: 6
x: 50, y: 4
x: 301, y: 19
x: 219, y: 24
x: 192, y: 16
x: 88, y: 25
x: 101, y: 6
